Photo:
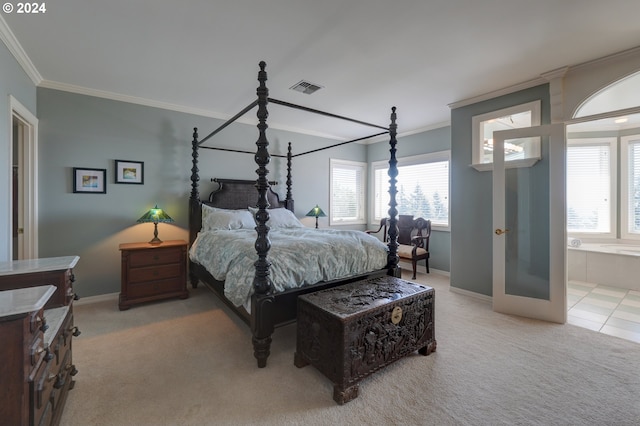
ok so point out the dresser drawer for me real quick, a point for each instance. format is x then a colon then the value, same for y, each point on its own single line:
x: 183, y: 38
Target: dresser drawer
x: 147, y: 289
x: 62, y: 382
x: 37, y: 351
x: 37, y: 322
x: 62, y: 341
x: 154, y: 273
x: 40, y: 389
x: 155, y: 257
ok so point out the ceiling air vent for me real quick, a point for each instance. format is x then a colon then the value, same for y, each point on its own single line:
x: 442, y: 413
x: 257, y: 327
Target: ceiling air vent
x: 305, y: 87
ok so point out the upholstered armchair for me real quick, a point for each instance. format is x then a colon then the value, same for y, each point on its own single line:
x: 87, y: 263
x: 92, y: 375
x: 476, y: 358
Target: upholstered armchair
x: 413, y: 239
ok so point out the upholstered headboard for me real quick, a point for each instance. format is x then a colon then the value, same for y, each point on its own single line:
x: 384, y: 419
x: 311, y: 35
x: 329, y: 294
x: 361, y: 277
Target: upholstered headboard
x: 240, y: 194
x: 231, y: 194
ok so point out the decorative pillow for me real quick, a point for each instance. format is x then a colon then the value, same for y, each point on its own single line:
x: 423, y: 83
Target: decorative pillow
x: 215, y: 218
x: 280, y: 218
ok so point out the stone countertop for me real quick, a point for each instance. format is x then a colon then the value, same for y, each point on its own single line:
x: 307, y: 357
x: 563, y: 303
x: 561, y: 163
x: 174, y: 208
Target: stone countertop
x: 23, y: 300
x: 16, y: 267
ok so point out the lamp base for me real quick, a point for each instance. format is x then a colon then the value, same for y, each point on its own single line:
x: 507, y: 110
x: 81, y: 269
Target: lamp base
x: 155, y: 240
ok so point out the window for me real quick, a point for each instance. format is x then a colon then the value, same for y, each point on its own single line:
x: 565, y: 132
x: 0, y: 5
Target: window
x: 517, y: 153
x: 591, y: 187
x: 347, y: 185
x: 630, y: 186
x: 423, y: 188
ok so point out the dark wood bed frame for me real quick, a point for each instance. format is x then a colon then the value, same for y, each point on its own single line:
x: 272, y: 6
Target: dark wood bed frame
x: 268, y: 308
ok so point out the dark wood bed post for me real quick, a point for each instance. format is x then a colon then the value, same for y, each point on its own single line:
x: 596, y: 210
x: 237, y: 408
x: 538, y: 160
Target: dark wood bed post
x: 195, y: 215
x: 392, y: 257
x: 289, y: 200
x: 262, y: 300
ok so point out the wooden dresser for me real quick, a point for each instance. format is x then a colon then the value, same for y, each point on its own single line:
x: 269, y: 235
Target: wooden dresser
x: 153, y: 272
x: 36, y: 325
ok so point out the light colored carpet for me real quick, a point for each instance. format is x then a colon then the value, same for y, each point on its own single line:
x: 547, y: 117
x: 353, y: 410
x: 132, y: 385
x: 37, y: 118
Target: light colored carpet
x: 189, y: 362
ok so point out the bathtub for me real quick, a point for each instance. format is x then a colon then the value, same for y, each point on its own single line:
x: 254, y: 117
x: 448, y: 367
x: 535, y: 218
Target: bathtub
x: 615, y: 265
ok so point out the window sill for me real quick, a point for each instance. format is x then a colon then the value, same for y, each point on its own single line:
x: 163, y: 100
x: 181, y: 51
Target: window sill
x: 513, y: 164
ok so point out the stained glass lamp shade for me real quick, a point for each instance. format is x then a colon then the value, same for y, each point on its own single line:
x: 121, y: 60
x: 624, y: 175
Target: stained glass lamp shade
x: 155, y: 215
x: 316, y: 212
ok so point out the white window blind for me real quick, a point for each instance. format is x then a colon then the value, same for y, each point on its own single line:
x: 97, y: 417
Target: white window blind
x: 347, y: 192
x: 423, y: 188
x: 590, y: 186
x: 632, y: 185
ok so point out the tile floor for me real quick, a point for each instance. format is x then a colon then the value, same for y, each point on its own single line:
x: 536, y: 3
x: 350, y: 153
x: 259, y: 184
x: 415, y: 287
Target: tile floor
x: 609, y: 310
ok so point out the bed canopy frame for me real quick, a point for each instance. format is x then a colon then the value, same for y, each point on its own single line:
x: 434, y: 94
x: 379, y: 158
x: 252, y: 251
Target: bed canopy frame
x: 264, y: 304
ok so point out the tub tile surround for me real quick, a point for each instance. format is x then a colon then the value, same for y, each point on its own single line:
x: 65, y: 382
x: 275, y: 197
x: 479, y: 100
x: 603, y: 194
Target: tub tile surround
x: 610, y: 310
x: 614, y: 265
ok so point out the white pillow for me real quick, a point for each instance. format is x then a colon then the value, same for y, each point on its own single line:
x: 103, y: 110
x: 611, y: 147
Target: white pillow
x: 215, y: 218
x: 280, y: 218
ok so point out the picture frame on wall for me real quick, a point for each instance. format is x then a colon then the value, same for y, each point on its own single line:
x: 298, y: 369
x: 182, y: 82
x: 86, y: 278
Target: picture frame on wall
x: 129, y: 172
x: 89, y: 181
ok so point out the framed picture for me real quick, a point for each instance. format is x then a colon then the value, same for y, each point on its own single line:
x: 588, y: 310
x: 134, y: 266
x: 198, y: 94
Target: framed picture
x: 89, y: 181
x: 130, y: 172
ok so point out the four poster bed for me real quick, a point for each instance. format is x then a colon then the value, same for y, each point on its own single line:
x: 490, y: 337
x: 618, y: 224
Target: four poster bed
x: 247, y: 213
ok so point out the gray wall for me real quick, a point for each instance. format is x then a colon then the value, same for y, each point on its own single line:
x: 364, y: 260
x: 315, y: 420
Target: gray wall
x: 471, y: 194
x: 422, y: 143
x: 85, y: 131
x: 15, y: 82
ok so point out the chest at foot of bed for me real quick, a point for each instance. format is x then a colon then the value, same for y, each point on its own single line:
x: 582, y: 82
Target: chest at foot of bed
x: 350, y: 332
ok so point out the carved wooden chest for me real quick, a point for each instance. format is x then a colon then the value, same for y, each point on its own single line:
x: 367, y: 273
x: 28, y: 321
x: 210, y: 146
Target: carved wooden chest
x: 351, y: 331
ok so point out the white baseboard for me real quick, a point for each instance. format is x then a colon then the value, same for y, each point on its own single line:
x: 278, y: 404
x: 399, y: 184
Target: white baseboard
x: 473, y: 294
x: 408, y: 267
x: 99, y: 298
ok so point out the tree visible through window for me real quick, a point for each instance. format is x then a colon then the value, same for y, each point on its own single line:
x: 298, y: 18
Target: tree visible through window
x: 423, y: 188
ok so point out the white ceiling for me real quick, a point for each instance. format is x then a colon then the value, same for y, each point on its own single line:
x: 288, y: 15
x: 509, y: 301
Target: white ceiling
x: 419, y: 55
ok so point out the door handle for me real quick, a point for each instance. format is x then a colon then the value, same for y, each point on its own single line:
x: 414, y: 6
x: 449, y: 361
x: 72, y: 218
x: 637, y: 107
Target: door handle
x: 501, y: 231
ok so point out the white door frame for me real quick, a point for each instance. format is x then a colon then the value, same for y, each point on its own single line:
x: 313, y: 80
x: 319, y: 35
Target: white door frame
x: 29, y: 175
x: 554, y: 309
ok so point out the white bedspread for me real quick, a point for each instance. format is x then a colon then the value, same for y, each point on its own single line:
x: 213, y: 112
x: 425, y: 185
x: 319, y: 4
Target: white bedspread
x: 298, y: 256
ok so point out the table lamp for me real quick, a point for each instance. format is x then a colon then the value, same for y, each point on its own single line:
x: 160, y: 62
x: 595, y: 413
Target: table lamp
x: 155, y: 215
x: 317, y: 212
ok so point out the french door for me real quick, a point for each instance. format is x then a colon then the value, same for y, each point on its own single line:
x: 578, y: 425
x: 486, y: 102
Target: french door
x: 529, y: 230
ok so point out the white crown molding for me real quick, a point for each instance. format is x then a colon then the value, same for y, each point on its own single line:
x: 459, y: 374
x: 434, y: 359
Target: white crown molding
x: 629, y: 53
x: 500, y: 92
x: 72, y: 88
x: 18, y: 52
x: 555, y: 74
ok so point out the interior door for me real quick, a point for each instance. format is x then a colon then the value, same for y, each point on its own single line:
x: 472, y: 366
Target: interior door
x: 24, y: 188
x: 529, y: 227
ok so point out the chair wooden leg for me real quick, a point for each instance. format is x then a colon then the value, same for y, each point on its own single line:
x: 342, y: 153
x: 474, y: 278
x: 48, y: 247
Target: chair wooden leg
x: 414, y: 264
x: 426, y: 261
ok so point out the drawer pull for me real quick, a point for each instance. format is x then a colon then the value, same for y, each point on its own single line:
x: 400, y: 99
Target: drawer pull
x: 76, y: 297
x: 48, y: 357
x: 73, y: 370
x: 59, y: 380
x: 72, y: 277
x: 75, y: 331
x: 44, y: 327
x: 156, y: 257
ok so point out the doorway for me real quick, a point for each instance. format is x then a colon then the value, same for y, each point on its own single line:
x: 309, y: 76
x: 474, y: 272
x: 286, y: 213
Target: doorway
x: 603, y: 213
x: 23, y: 200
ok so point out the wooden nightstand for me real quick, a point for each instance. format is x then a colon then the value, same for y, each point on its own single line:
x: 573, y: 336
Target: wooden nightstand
x: 153, y: 272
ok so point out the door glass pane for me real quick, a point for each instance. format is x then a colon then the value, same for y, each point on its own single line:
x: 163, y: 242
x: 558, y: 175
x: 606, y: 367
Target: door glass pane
x: 527, y: 262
